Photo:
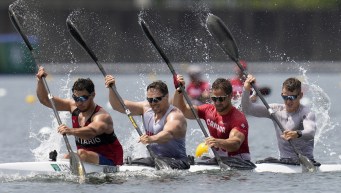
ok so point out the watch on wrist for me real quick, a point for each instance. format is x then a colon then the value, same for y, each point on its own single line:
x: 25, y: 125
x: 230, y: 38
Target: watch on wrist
x: 299, y: 134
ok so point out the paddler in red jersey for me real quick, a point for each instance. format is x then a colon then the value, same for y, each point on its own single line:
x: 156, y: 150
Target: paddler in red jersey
x: 238, y: 84
x: 227, y: 125
x: 92, y: 126
x: 198, y: 88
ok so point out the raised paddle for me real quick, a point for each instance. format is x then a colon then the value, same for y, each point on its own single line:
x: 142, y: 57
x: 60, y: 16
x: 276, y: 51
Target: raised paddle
x: 76, y: 165
x: 159, y: 163
x: 170, y: 66
x: 225, y: 40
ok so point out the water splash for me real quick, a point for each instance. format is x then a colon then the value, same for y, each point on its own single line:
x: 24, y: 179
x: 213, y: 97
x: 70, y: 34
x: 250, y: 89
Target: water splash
x: 320, y: 104
x: 35, y: 177
x: 48, y: 137
x: 132, y: 147
x: 175, y: 42
x: 97, y: 32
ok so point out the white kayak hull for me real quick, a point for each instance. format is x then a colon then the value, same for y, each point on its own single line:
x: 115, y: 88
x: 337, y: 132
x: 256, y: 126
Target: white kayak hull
x: 64, y: 167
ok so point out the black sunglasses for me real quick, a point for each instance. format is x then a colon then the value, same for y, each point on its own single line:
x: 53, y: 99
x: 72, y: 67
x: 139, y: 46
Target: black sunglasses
x: 289, y: 97
x: 155, y: 99
x: 81, y: 98
x: 219, y: 98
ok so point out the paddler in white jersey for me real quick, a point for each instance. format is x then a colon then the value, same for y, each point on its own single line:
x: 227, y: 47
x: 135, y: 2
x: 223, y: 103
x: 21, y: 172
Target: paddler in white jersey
x: 165, y: 125
x: 298, y: 121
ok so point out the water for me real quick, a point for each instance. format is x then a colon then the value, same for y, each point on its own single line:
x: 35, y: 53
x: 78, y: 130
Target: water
x: 28, y: 134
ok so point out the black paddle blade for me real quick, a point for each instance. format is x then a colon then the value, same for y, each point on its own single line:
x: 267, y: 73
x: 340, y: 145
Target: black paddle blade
x: 79, y: 38
x: 161, y: 165
x: 16, y: 24
x: 223, y: 36
x: 77, y: 167
x: 307, y: 165
x: 146, y: 30
x: 223, y: 166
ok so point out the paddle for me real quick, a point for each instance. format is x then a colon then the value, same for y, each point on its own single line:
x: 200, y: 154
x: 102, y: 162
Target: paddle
x: 76, y: 164
x: 225, y: 40
x: 170, y: 66
x: 160, y: 164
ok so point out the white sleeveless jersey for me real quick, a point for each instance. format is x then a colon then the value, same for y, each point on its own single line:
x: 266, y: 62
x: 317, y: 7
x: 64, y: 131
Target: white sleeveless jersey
x: 175, y: 148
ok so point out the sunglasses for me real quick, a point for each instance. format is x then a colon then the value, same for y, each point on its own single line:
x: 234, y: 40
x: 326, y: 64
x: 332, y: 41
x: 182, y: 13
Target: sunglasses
x: 219, y: 98
x: 289, y: 97
x: 81, y: 98
x: 155, y: 99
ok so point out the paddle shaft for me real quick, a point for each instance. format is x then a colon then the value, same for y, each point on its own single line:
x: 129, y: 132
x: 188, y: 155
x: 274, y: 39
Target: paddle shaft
x: 170, y: 66
x: 260, y: 95
x: 79, y: 38
x: 18, y: 27
x: 77, y: 169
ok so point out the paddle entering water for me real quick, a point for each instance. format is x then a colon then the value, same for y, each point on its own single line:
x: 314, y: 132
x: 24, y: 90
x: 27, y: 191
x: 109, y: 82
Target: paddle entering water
x: 76, y: 165
x: 170, y: 66
x: 159, y: 163
x: 225, y: 40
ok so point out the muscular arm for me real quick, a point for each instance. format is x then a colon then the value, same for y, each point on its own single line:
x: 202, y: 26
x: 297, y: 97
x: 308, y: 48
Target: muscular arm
x: 248, y: 107
x: 308, y: 132
x: 136, y: 108
x: 254, y: 109
x: 309, y: 125
x: 42, y: 94
x: 174, y: 128
x: 101, y: 123
x: 231, y: 144
x: 179, y: 102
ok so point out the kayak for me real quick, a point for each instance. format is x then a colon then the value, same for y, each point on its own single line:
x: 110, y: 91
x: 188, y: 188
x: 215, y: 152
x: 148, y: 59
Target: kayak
x: 63, y: 166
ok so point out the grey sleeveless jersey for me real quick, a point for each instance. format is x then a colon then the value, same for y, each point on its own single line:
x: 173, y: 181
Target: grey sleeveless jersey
x: 303, y: 119
x: 175, y: 148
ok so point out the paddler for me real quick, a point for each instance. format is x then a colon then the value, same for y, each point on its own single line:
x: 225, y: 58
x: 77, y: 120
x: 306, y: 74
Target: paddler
x: 227, y: 125
x: 165, y: 125
x: 298, y: 121
x: 92, y: 126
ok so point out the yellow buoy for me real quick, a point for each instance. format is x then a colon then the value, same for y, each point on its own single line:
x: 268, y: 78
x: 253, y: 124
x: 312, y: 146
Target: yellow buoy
x: 202, y: 148
x: 30, y: 99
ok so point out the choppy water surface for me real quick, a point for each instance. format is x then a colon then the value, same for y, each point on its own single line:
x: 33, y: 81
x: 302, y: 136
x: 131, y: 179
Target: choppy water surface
x: 28, y: 134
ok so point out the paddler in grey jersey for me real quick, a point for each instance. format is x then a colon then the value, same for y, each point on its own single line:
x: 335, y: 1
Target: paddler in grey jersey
x: 165, y: 124
x: 298, y: 121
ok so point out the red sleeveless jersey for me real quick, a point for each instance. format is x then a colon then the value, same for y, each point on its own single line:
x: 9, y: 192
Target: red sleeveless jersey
x: 106, y: 145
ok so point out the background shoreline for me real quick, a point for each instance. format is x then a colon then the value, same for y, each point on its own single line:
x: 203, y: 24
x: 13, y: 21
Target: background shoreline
x: 211, y: 67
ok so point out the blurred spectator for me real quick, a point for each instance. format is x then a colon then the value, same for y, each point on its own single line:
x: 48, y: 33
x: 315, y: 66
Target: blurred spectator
x: 198, y: 88
x: 238, y: 84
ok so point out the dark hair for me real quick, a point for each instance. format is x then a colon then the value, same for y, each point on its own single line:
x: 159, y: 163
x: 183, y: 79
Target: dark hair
x: 292, y: 84
x: 159, y: 85
x: 84, y: 84
x: 223, y: 84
